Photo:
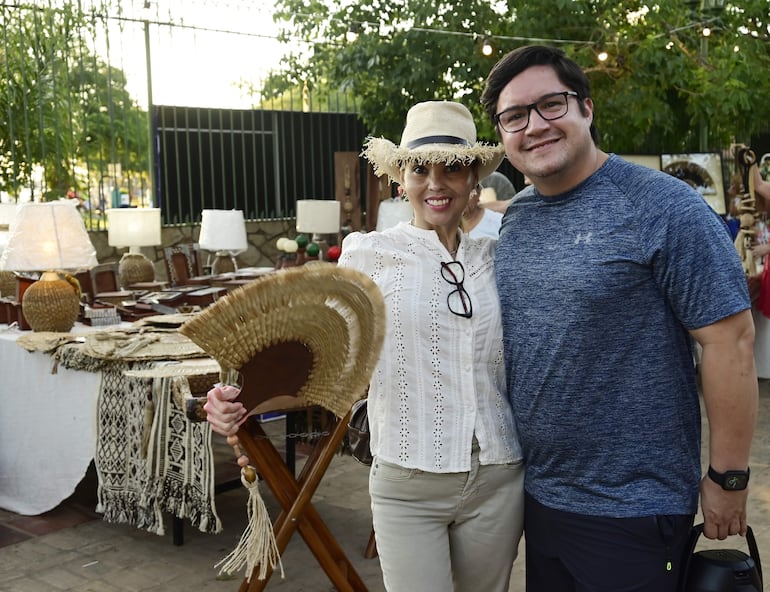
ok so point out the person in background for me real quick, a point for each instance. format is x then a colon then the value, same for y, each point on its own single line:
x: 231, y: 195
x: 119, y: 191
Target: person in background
x: 478, y: 221
x: 446, y: 482
x: 600, y: 314
x: 759, y: 282
x: 764, y: 167
x: 503, y: 192
x: 504, y: 189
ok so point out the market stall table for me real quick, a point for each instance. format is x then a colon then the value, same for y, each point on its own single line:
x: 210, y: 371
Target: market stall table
x: 149, y: 458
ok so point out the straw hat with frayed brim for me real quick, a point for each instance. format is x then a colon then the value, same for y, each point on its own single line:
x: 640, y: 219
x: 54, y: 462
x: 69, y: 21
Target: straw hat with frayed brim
x: 313, y: 331
x: 435, y: 132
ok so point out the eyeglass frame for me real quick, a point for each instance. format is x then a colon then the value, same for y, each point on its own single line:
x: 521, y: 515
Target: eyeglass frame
x: 565, y: 93
x: 459, y: 288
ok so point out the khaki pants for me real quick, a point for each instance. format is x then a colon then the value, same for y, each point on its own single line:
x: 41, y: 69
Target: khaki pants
x: 443, y: 532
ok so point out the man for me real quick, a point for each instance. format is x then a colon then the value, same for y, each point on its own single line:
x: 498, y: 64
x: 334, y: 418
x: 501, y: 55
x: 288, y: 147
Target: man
x: 607, y: 271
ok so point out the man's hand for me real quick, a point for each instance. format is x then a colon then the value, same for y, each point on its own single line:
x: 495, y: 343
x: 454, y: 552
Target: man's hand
x: 724, y: 512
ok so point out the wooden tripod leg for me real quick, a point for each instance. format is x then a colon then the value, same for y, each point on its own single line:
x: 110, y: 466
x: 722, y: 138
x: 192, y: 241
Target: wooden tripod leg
x: 298, y: 512
x: 371, y: 547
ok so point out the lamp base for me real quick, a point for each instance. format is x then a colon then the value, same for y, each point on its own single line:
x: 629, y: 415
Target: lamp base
x: 135, y: 268
x: 223, y: 263
x: 51, y: 303
x: 7, y: 284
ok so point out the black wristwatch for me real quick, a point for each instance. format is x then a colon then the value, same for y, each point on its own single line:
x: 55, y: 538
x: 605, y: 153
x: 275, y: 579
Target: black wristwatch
x: 730, y: 480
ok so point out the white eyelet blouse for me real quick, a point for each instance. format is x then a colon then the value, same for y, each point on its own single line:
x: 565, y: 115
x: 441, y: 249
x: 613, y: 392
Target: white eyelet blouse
x: 440, y: 379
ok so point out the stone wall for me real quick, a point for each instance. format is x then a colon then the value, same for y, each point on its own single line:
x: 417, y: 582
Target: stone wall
x: 262, y: 236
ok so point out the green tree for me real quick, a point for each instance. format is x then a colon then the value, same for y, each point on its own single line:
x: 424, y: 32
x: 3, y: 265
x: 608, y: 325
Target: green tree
x: 661, y: 88
x: 61, y: 106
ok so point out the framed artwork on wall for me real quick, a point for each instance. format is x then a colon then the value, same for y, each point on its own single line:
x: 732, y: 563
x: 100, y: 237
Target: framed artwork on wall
x: 702, y: 171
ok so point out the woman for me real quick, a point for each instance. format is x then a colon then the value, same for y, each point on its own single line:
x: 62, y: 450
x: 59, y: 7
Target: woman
x: 478, y: 220
x: 446, y: 483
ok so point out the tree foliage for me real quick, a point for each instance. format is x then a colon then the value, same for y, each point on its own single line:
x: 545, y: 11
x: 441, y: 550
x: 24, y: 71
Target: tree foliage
x: 661, y: 89
x: 61, y: 106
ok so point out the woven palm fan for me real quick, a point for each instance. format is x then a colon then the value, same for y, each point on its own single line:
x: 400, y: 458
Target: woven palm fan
x: 313, y: 332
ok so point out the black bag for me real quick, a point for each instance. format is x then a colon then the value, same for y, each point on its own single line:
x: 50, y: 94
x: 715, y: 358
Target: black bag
x: 721, y: 570
x: 358, y: 433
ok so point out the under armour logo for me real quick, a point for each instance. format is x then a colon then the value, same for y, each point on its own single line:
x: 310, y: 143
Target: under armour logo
x: 583, y: 238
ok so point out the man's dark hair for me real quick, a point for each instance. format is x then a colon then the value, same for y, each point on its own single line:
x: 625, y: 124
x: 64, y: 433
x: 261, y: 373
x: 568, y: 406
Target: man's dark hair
x: 515, y: 62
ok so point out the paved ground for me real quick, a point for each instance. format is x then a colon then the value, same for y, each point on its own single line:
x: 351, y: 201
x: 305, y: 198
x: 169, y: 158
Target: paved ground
x: 98, y: 557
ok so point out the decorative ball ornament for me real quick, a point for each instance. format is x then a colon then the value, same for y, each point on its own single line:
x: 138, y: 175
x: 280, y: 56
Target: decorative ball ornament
x: 333, y: 253
x: 302, y: 241
x: 290, y: 246
x: 281, y: 243
x: 312, y: 250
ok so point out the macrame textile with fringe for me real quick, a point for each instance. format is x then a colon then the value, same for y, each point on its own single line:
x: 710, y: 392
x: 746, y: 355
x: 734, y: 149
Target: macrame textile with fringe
x: 149, y: 462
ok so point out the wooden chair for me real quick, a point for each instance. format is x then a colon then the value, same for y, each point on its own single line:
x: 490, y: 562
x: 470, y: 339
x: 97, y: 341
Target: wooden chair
x: 104, y: 278
x: 182, y: 263
x: 100, y: 279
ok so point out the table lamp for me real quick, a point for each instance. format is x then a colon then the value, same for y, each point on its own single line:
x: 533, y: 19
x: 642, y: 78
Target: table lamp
x: 223, y: 232
x: 318, y: 217
x: 49, y: 237
x: 134, y: 228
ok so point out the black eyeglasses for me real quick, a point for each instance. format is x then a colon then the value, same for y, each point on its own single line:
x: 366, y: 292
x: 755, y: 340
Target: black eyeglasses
x: 458, y: 300
x: 549, y: 107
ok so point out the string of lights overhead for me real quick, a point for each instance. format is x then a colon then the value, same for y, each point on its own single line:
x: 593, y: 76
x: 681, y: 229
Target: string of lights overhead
x: 487, y: 44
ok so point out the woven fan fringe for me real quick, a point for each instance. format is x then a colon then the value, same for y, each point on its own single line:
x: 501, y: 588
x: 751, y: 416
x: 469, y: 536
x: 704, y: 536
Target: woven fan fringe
x: 257, y: 545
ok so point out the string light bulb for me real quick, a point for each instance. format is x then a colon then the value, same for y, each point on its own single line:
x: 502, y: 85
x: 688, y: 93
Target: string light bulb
x: 352, y: 33
x: 602, y: 56
x: 486, y: 47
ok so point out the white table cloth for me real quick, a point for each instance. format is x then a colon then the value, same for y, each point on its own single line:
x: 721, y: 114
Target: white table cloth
x: 47, y: 428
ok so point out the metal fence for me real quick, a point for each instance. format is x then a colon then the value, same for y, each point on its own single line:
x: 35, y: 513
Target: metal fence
x: 160, y: 103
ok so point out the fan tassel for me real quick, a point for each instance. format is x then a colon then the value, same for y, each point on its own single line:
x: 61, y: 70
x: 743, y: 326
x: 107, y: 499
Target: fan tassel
x: 257, y: 545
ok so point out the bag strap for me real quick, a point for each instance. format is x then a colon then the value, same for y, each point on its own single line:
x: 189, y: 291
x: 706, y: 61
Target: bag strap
x: 697, y: 530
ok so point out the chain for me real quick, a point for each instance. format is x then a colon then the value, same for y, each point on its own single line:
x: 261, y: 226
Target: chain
x: 303, y: 435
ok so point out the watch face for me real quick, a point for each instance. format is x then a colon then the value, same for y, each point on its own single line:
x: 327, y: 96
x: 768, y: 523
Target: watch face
x: 736, y: 481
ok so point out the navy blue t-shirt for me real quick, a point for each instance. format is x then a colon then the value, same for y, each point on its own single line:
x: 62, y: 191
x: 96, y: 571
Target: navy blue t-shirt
x: 599, y: 287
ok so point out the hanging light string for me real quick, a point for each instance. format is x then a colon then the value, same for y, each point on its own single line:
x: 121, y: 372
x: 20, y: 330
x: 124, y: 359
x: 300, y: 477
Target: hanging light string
x: 359, y: 24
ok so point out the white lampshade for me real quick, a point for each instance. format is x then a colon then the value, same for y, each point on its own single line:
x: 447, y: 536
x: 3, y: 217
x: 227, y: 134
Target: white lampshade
x: 223, y: 230
x: 318, y: 216
x: 392, y: 211
x: 133, y: 227
x: 7, y: 213
x: 48, y: 236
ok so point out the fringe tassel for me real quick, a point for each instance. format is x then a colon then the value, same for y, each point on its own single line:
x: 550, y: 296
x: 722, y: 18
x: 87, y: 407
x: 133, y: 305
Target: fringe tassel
x: 257, y: 544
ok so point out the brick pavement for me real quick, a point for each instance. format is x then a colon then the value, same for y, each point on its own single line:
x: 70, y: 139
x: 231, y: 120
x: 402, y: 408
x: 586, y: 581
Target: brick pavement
x: 98, y: 557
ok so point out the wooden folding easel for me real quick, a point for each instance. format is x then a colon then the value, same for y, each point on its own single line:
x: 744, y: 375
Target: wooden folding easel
x: 295, y: 499
x: 267, y: 377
